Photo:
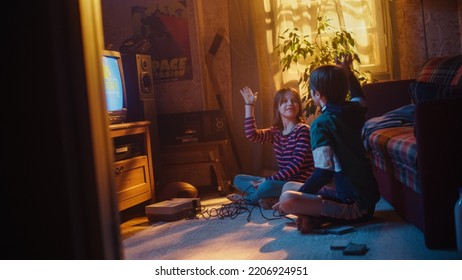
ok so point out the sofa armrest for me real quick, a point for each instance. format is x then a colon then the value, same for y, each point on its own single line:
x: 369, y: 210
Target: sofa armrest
x: 382, y: 97
x: 438, y: 126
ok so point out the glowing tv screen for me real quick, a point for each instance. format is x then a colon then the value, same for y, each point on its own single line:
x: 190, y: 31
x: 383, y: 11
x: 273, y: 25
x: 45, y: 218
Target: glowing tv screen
x: 114, y: 86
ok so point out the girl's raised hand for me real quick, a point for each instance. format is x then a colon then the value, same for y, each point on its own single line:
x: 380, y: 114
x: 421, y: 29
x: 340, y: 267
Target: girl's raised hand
x: 249, y: 96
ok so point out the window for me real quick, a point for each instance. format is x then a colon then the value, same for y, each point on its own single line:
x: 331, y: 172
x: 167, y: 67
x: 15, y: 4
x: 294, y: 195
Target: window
x: 366, y: 19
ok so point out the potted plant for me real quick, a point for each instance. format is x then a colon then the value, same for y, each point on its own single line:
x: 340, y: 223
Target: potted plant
x: 329, y: 43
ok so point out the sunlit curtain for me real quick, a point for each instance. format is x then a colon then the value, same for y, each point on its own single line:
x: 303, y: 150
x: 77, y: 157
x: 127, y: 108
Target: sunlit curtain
x: 364, y: 18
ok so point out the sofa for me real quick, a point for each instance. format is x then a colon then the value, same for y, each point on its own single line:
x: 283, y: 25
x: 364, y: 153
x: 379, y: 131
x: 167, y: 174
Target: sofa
x: 412, y: 134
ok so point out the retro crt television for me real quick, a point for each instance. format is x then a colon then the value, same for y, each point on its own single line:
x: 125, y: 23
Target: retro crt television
x: 114, y: 86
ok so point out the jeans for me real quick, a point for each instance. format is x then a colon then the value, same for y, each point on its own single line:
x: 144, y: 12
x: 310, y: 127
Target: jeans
x: 266, y: 189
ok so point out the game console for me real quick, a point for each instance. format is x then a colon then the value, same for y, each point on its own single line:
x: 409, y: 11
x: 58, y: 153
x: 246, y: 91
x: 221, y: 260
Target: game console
x: 173, y: 209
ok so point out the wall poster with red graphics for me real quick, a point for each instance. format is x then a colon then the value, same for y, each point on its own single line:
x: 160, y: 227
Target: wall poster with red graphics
x: 164, y: 23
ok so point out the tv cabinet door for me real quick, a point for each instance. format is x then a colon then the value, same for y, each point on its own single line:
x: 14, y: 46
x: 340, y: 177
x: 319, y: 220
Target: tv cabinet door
x: 132, y: 181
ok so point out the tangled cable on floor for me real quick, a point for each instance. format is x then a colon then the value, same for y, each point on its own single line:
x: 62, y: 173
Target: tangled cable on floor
x: 233, y: 210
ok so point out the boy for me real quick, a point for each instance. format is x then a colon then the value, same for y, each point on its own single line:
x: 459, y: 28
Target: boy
x: 339, y: 155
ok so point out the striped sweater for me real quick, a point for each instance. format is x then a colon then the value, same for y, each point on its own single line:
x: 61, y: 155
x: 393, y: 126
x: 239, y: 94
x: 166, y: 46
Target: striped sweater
x: 292, y: 151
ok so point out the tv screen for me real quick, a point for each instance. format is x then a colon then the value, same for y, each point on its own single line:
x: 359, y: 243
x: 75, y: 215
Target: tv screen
x: 114, y: 86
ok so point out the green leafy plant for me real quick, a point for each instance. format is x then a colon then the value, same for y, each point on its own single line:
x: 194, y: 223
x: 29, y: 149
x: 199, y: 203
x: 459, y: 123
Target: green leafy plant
x: 328, y: 44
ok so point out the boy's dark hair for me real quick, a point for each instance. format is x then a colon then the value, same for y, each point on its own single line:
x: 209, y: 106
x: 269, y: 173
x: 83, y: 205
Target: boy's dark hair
x: 331, y: 82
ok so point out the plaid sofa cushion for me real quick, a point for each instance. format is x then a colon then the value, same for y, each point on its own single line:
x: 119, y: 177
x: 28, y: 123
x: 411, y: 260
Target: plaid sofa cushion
x: 394, y: 150
x: 445, y: 70
x: 439, y: 78
x: 423, y: 91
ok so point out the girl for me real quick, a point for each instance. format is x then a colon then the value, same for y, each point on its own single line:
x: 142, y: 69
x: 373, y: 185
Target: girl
x: 291, y: 140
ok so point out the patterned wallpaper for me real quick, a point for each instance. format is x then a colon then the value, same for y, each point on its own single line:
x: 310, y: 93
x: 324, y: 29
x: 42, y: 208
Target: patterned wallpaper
x: 423, y: 29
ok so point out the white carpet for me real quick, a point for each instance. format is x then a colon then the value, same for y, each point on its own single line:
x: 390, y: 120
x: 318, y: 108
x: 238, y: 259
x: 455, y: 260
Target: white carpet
x: 256, y: 238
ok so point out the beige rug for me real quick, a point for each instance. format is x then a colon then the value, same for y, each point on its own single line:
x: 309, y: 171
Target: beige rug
x: 258, y: 235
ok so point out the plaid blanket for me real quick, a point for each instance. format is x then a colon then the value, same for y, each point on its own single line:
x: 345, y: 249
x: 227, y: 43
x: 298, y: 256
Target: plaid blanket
x: 403, y: 116
x: 391, y: 143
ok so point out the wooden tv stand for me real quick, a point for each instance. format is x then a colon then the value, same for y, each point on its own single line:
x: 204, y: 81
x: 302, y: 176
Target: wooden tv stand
x: 134, y: 176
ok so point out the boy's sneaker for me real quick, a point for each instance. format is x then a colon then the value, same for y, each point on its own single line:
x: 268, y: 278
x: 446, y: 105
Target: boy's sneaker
x: 267, y: 203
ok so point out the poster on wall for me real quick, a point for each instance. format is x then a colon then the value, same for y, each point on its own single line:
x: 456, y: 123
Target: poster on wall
x: 164, y: 24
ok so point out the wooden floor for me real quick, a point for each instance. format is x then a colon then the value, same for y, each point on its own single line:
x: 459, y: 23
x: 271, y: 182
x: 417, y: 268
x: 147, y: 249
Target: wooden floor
x: 133, y: 220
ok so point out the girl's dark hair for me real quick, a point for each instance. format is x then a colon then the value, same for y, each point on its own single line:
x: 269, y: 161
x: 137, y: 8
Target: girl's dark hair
x: 331, y: 82
x: 277, y: 101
